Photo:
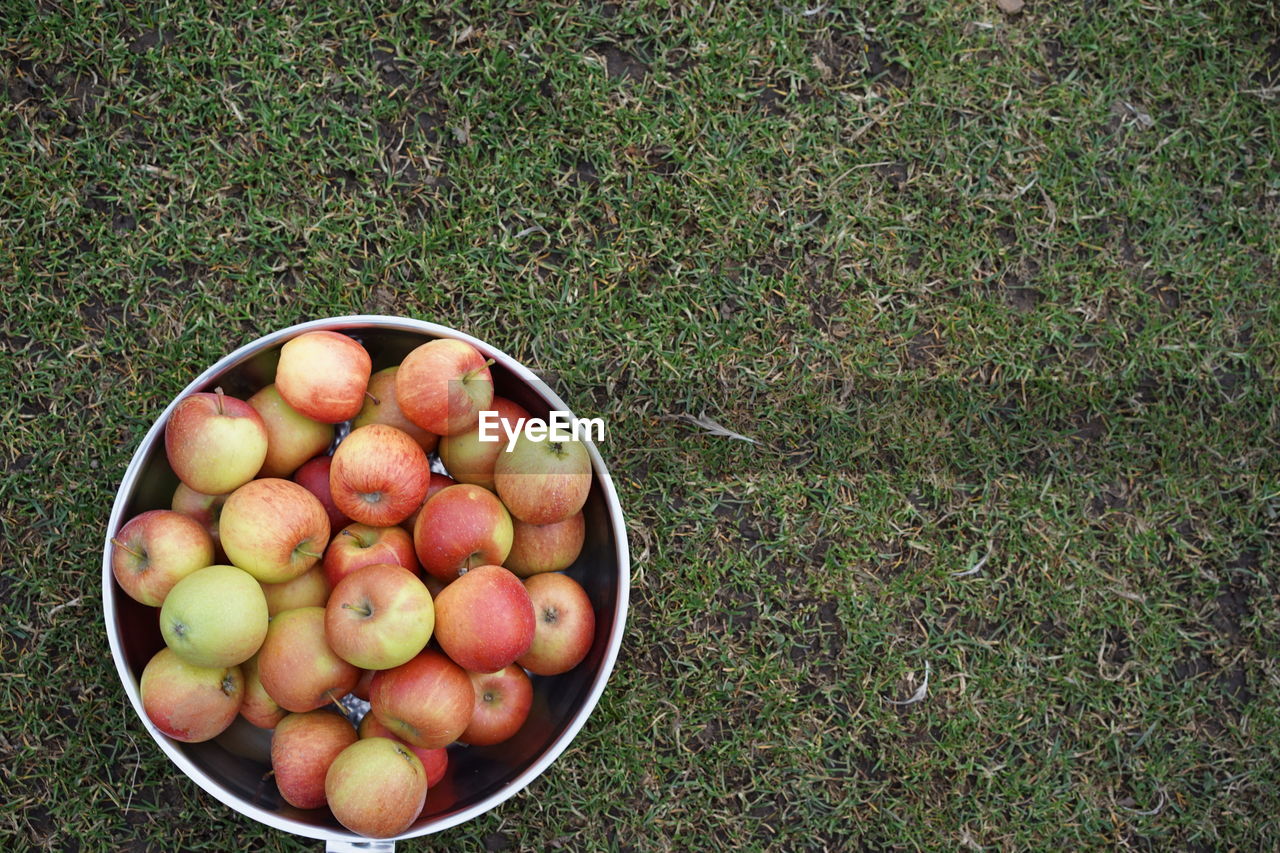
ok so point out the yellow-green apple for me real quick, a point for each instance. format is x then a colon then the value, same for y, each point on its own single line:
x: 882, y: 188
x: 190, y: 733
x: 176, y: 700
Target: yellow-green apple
x: 442, y: 386
x: 470, y: 460
x: 359, y: 545
x: 502, y: 705
x: 309, y: 589
x: 215, y: 443
x: 292, y: 437
x: 296, y: 665
x: 376, y: 787
x: 484, y: 619
x: 380, y: 407
x: 324, y: 375
x: 566, y: 624
x: 302, y: 748
x: 537, y: 548
x: 215, y: 617
x: 187, y: 702
x: 461, y: 527
x: 203, y: 508
x: 426, y: 702
x: 437, y: 482
x: 156, y: 549
x: 379, y: 616
x: 258, y: 708
x: 273, y: 529
x: 314, y: 477
x: 379, y: 475
x: 543, y: 482
x: 434, y: 761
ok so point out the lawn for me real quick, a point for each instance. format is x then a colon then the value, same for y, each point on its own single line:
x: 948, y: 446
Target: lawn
x: 995, y: 294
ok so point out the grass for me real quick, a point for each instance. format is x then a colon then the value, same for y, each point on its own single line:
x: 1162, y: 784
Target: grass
x: 980, y: 285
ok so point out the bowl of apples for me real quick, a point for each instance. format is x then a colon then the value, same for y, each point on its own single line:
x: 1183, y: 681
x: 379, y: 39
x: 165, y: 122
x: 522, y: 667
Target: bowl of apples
x: 365, y: 578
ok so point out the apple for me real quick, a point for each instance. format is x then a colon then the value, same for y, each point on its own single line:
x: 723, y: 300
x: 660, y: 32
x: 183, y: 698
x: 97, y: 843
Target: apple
x: 442, y: 386
x: 434, y: 761
x: 426, y: 702
x: 484, y: 619
x: 314, y: 477
x: 215, y: 617
x: 309, y: 589
x: 296, y: 665
x: 502, y: 705
x: 437, y: 482
x: 155, y: 550
x: 358, y: 545
x: 380, y: 407
x: 292, y: 437
x: 379, y: 616
x: 361, y: 690
x: 537, y: 548
x: 542, y: 482
x: 566, y: 624
x: 302, y: 748
x: 215, y: 443
x: 470, y: 460
x: 187, y: 702
x: 273, y: 529
x: 379, y: 475
x: 461, y: 527
x: 324, y: 375
x: 258, y: 707
x: 205, y: 509
x: 376, y: 787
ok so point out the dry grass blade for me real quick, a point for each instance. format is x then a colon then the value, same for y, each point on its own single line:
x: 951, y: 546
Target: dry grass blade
x: 714, y: 428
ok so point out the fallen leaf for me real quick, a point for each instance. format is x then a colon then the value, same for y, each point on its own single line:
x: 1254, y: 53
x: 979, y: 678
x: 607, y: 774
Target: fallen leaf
x: 1011, y: 7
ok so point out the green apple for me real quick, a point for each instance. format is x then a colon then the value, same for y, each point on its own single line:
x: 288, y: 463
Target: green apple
x: 216, y: 616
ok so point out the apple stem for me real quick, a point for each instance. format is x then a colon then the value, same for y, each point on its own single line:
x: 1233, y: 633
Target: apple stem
x: 306, y: 553
x: 471, y: 374
x: 375, y: 400
x: 337, y: 700
x: 126, y: 548
x: 218, y: 391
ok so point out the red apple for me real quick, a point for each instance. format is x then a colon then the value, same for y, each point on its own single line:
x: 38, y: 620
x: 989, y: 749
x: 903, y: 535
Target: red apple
x: 205, y: 509
x: 314, y: 477
x: 215, y: 443
x: 302, y: 748
x: 442, y: 386
x: 359, y: 545
x: 296, y: 665
x: 537, y: 548
x: 427, y: 702
x: 502, y: 705
x: 155, y: 550
x: 471, y: 460
x: 380, y: 407
x: 324, y: 375
x: 379, y: 475
x: 379, y: 616
x: 542, y: 482
x: 258, y: 707
x: 190, y: 703
x: 309, y: 589
x: 292, y: 438
x: 437, y: 482
x: 376, y: 787
x: 273, y: 529
x: 461, y: 527
x: 566, y: 624
x: 484, y: 619
x: 361, y: 690
x: 434, y: 761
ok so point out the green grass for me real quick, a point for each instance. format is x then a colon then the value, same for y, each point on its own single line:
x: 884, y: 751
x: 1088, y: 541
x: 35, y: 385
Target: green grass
x: 977, y: 283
